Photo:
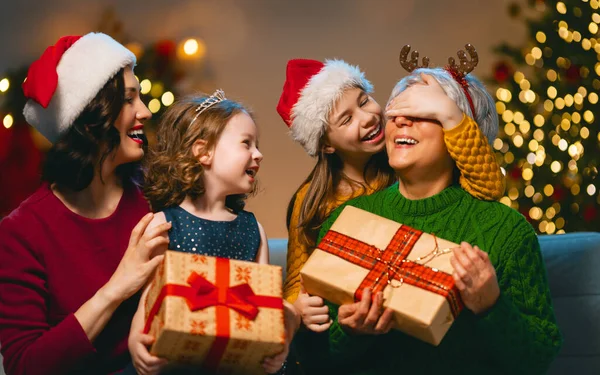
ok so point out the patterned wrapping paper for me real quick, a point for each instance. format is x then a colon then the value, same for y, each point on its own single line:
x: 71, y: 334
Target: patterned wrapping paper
x: 230, y: 319
x: 412, y: 269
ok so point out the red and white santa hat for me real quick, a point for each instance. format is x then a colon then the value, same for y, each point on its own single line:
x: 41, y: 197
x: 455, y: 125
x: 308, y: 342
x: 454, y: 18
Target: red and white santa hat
x: 68, y: 75
x: 310, y: 91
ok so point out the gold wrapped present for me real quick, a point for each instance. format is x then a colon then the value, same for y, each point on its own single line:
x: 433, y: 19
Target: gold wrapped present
x: 412, y: 269
x: 224, y: 315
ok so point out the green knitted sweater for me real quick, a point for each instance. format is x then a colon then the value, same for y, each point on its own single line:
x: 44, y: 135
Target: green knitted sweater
x: 518, y: 335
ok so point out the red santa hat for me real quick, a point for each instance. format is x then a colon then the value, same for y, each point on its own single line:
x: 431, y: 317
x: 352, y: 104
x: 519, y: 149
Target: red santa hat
x: 310, y: 91
x: 68, y: 75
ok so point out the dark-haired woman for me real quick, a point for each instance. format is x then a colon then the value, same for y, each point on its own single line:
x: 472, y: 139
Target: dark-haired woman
x: 73, y: 256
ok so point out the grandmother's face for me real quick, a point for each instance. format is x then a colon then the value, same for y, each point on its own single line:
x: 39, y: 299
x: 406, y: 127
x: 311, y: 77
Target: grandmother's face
x: 417, y: 144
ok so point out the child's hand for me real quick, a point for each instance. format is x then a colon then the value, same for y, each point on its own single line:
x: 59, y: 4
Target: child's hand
x: 273, y: 364
x: 426, y: 100
x: 144, y: 362
x: 138, y: 343
x: 292, y: 323
x: 314, y: 313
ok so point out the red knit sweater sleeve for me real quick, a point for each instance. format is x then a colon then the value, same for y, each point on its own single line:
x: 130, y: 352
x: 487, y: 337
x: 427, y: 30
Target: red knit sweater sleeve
x: 29, y: 344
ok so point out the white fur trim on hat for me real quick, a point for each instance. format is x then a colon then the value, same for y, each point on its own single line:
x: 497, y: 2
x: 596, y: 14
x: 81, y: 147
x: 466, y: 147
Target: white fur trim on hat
x: 82, y: 71
x: 310, y: 115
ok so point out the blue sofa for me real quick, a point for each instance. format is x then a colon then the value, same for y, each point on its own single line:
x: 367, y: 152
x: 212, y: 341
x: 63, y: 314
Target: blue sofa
x: 573, y: 266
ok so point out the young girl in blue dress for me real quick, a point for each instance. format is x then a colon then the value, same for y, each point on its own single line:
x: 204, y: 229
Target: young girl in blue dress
x: 198, y: 176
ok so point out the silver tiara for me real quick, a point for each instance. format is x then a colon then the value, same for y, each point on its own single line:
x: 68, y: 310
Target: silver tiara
x: 217, y: 97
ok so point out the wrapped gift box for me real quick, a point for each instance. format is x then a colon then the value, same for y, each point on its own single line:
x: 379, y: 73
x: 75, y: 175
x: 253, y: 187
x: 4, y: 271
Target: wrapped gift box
x: 224, y: 315
x: 412, y: 269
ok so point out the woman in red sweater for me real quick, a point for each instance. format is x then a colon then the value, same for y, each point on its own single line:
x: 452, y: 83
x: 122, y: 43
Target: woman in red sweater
x: 74, y: 254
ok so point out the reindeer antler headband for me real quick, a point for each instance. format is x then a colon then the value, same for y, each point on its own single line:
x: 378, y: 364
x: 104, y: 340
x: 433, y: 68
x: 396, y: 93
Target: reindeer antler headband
x: 414, y: 59
x: 457, y: 70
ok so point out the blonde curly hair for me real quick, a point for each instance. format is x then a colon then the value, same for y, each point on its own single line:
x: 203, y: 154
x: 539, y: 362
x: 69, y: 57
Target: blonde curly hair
x: 171, y: 170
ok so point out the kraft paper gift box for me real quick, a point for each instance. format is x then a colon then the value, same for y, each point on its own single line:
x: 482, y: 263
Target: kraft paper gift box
x: 220, y: 314
x: 412, y: 269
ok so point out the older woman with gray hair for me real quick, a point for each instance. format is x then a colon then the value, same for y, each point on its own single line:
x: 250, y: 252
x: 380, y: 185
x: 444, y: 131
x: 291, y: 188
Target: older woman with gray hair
x: 508, y: 325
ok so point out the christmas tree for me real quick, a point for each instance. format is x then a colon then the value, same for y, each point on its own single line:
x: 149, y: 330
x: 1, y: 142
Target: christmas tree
x: 549, y: 139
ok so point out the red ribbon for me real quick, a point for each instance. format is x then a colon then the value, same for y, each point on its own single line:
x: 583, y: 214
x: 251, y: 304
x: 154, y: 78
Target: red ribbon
x: 201, y: 294
x: 462, y: 81
x: 391, y: 264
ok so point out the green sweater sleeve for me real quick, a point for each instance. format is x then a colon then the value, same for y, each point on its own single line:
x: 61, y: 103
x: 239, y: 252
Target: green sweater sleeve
x: 520, y: 328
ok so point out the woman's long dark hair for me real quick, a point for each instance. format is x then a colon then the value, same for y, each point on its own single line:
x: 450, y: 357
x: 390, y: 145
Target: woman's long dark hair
x: 73, y: 159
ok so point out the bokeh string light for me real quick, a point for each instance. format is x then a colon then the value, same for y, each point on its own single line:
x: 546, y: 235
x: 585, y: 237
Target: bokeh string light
x: 549, y: 139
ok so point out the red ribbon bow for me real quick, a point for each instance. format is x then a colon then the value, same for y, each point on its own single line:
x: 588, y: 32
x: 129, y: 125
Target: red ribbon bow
x: 201, y: 294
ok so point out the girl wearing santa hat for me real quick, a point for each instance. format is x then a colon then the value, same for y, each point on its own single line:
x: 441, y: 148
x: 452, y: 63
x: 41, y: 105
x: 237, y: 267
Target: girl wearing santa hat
x: 75, y: 253
x: 331, y: 113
